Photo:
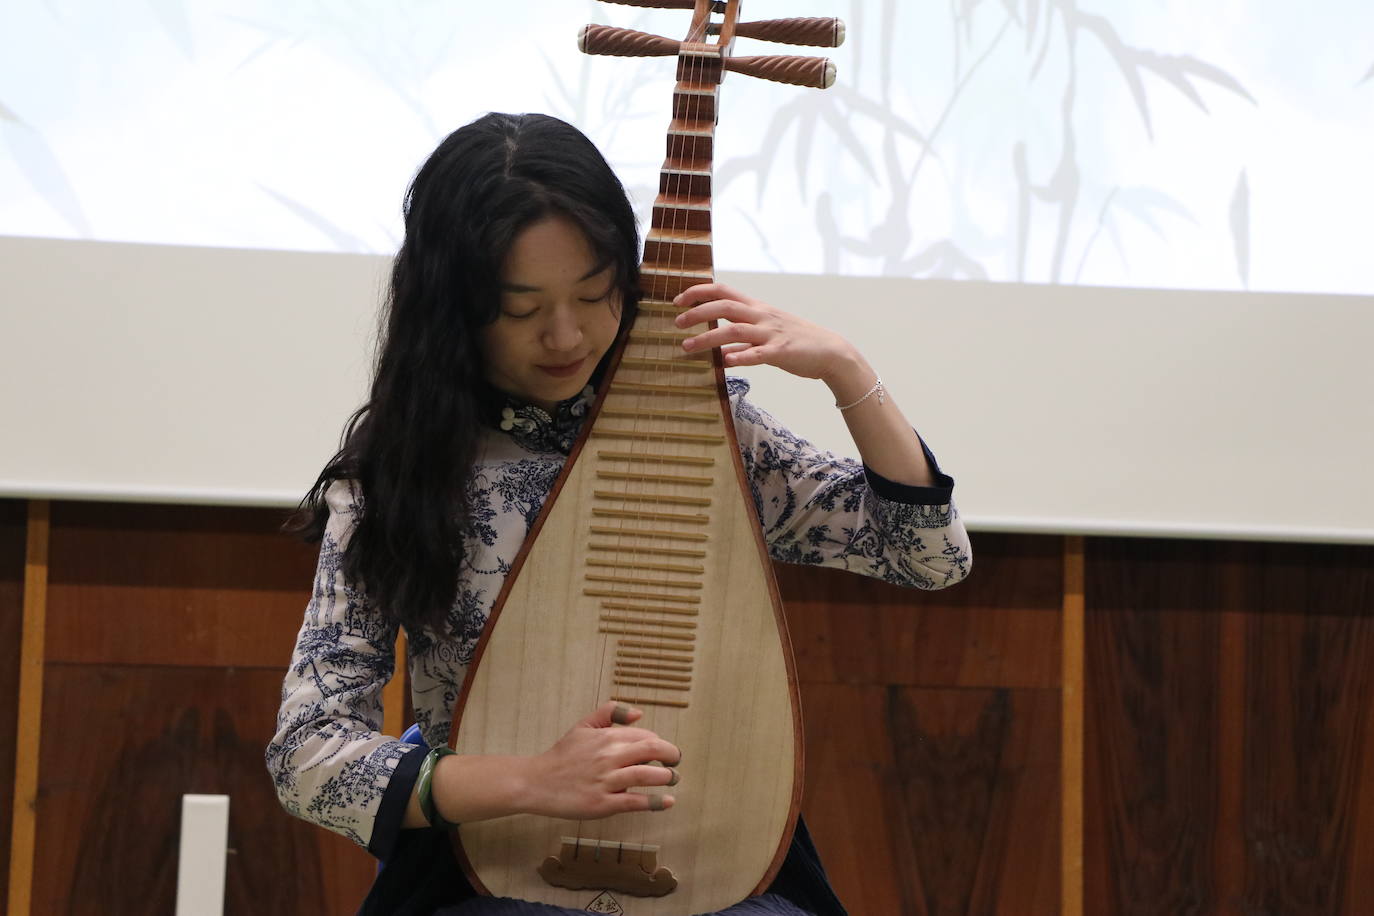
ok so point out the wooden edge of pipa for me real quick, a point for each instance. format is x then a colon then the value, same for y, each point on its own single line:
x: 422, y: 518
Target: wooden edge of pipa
x: 784, y: 635
x: 612, y: 364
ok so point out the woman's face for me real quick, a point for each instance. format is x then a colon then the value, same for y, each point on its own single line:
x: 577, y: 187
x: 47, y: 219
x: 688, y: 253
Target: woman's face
x: 559, y: 314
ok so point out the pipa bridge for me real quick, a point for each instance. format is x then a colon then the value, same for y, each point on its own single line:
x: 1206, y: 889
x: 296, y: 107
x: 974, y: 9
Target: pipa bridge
x: 630, y: 868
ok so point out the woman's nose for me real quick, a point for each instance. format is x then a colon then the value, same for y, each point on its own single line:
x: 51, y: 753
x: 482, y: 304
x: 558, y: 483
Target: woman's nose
x: 563, y: 332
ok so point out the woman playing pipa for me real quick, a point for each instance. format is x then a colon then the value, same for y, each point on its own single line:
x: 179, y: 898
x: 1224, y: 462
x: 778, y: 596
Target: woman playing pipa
x: 571, y: 509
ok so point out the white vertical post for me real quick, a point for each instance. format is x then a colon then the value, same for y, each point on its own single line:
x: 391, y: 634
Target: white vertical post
x: 204, y: 849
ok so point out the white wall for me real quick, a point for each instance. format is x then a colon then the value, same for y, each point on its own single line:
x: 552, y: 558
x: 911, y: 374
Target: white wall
x: 148, y: 372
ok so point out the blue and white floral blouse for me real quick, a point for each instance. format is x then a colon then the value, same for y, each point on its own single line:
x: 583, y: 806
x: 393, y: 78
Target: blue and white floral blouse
x: 328, y: 758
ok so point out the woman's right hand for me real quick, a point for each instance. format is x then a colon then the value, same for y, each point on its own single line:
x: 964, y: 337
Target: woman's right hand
x: 590, y: 771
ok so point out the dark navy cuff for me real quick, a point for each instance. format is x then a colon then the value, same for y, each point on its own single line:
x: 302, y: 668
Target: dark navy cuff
x: 391, y: 814
x: 938, y: 495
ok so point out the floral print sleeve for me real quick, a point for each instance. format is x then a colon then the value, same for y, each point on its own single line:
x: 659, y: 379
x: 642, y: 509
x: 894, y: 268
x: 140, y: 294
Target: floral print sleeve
x: 327, y: 759
x: 822, y: 510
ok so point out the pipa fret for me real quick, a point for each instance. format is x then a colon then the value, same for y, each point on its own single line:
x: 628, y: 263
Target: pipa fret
x: 673, y: 656
x: 647, y: 516
x: 653, y: 666
x: 648, y: 701
x: 655, y: 458
x: 643, y: 549
x: 692, y: 416
x: 631, y: 631
x: 639, y: 596
x: 682, y: 255
x: 657, y: 646
x: 650, y: 567
x: 689, y: 611
x: 680, y: 217
x: 675, y: 624
x: 636, y: 671
x: 697, y: 107
x: 656, y: 498
x: 668, y: 337
x: 631, y: 580
x: 628, y: 682
x: 656, y: 478
x: 651, y: 533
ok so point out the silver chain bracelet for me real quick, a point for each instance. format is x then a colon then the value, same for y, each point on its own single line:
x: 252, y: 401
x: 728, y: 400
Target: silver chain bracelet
x: 876, y: 389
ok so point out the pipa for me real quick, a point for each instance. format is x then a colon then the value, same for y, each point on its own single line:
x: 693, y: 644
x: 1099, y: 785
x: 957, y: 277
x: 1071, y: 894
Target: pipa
x: 646, y: 578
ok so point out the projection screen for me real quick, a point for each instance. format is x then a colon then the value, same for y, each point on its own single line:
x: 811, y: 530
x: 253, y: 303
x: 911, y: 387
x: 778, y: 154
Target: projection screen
x: 1110, y: 259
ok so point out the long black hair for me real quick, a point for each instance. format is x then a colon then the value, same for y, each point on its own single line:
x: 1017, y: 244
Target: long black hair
x: 410, y: 448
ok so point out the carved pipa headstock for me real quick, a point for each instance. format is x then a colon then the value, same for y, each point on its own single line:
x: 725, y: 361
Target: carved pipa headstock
x: 816, y: 72
x: 677, y: 249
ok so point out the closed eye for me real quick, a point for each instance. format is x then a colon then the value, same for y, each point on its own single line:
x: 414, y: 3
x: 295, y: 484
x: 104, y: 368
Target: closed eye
x: 601, y: 298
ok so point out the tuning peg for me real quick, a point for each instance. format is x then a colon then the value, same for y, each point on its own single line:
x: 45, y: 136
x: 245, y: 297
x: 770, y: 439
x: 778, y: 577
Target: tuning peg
x: 618, y: 42
x: 817, y: 31
x: 717, y: 6
x: 816, y: 72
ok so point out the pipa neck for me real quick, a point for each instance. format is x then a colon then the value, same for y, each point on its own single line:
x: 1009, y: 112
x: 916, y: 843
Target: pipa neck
x: 677, y: 247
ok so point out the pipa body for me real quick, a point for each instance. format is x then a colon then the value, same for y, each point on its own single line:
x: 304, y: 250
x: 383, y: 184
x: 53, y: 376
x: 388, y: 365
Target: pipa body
x: 646, y: 579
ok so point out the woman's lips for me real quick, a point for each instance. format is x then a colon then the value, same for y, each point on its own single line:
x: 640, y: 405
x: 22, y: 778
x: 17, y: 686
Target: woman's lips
x: 564, y: 371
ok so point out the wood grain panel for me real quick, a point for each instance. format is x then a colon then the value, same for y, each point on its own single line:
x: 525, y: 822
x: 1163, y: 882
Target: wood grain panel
x: 1000, y: 628
x: 928, y: 801
x: 1229, y: 846
x: 127, y: 743
x: 1229, y: 755
x: 1308, y: 659
x: 13, y: 515
x: 174, y: 585
x: 1151, y: 776
x: 1362, y: 843
x: 1071, y: 729
x: 852, y: 799
x: 29, y: 702
x: 1228, y: 749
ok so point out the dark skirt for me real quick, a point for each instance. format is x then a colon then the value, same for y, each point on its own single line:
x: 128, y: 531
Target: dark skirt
x: 423, y: 879
x: 767, y: 905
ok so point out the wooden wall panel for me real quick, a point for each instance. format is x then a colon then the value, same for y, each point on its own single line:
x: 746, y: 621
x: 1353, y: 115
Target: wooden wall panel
x: 933, y: 735
x: 1362, y: 843
x: 999, y: 628
x: 1151, y: 775
x: 1229, y: 692
x: 174, y: 585
x: 1309, y: 669
x: 979, y: 771
x: 13, y: 523
x: 122, y: 744
x: 1229, y: 756
x: 929, y: 801
x: 168, y: 636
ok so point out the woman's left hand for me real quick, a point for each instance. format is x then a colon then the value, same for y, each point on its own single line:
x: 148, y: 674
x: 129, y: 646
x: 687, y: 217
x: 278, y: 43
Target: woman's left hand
x: 759, y: 333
